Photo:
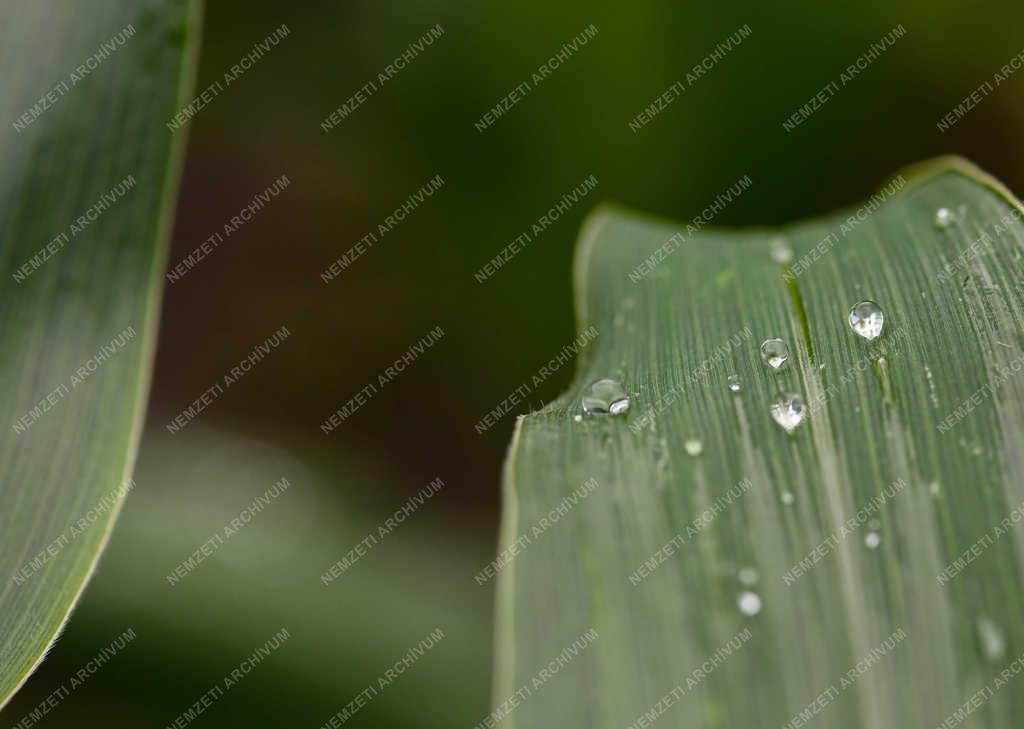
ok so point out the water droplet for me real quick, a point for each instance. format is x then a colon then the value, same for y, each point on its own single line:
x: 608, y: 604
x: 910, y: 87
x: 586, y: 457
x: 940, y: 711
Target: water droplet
x: 872, y: 540
x: 944, y: 217
x: 866, y: 319
x: 787, y: 498
x: 606, y: 396
x: 992, y: 639
x: 934, y: 488
x: 931, y: 386
x: 749, y: 602
x: 781, y: 252
x: 789, y: 411
x: 874, y: 525
x: 578, y: 418
x: 747, y: 576
x: 694, y: 447
x: 774, y: 352
x: 734, y: 383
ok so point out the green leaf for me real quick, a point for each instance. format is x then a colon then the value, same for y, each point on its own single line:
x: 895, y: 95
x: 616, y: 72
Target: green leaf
x: 87, y: 183
x: 920, y: 429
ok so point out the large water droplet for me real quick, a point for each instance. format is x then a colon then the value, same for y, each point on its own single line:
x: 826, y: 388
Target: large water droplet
x: 694, y: 446
x: 866, y: 319
x: 606, y: 396
x: 944, y: 217
x: 992, y: 639
x: 774, y: 352
x: 734, y: 383
x: 747, y: 576
x: 787, y: 498
x: 749, y: 602
x: 789, y: 411
x: 872, y: 540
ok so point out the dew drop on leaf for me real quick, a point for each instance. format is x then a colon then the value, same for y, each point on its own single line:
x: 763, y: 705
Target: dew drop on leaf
x: 747, y: 576
x: 606, y: 396
x: 992, y: 639
x: 749, y: 602
x: 789, y: 411
x: 774, y: 352
x: 866, y: 319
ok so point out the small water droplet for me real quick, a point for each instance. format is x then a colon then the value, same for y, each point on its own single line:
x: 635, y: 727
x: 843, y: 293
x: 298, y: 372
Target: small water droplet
x: 749, y: 602
x: 787, y: 498
x: 931, y: 386
x: 789, y: 411
x: 578, y: 418
x: 781, y: 252
x: 694, y: 446
x: 992, y: 639
x: 606, y: 396
x: 747, y: 576
x: 934, y: 488
x: 874, y: 525
x: 944, y: 217
x: 734, y: 383
x: 866, y: 319
x: 774, y: 352
x: 872, y: 540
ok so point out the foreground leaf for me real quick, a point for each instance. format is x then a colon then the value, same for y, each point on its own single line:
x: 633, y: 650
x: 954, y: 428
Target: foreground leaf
x: 88, y: 171
x: 853, y: 523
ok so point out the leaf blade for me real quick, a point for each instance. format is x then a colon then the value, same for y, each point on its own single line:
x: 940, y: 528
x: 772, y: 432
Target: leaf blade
x: 86, y: 204
x: 673, y: 339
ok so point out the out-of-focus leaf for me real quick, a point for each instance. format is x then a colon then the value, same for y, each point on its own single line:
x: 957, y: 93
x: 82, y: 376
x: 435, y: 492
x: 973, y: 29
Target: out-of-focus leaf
x: 88, y: 174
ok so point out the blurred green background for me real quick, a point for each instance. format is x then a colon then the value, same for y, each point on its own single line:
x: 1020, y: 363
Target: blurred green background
x: 498, y: 334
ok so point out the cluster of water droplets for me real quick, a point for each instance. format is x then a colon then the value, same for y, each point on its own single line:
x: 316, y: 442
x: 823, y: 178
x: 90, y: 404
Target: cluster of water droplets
x: 608, y: 396
x: 866, y: 319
